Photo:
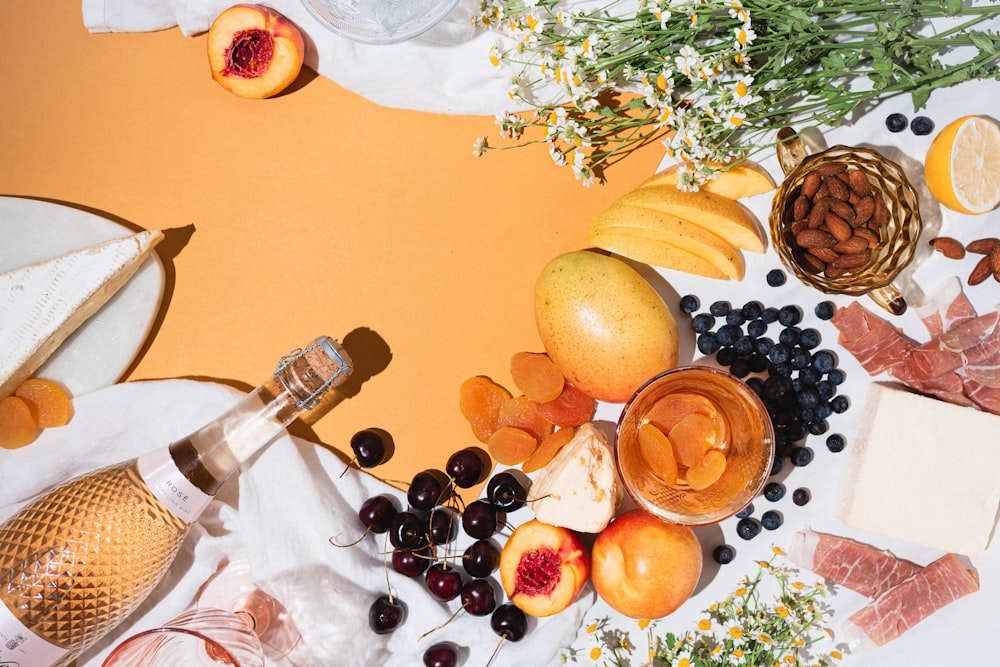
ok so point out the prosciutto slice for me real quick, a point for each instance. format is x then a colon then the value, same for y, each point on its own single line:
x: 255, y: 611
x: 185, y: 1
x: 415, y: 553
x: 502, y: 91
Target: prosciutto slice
x: 908, y: 603
x: 853, y: 565
x: 959, y: 364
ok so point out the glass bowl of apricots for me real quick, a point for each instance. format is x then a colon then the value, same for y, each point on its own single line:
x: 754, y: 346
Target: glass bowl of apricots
x: 694, y: 445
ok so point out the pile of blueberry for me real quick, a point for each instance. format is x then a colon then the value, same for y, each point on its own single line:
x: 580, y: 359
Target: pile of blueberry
x: 782, y: 362
x: 423, y: 537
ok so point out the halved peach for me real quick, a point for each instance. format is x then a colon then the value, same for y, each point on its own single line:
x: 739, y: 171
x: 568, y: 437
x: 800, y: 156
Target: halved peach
x: 543, y: 568
x: 254, y: 51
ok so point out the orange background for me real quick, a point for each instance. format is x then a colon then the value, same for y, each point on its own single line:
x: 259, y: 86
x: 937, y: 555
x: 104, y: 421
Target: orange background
x: 316, y: 212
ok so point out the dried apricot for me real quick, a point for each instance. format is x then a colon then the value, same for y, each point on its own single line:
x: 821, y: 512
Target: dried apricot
x: 18, y: 426
x: 510, y: 445
x: 706, y: 472
x: 692, y: 436
x: 523, y: 413
x: 51, y: 403
x: 548, y: 448
x: 571, y: 408
x: 536, y: 376
x: 479, y: 400
x: 671, y: 409
x: 658, y: 453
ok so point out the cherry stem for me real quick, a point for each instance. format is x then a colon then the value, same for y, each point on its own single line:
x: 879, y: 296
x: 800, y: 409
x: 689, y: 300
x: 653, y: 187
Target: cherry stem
x: 351, y: 544
x: 385, y: 565
x: 495, y: 651
x: 452, y: 618
x: 348, y: 466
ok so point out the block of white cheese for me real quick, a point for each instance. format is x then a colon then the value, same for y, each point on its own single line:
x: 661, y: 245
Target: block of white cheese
x: 924, y: 471
x: 44, y: 302
x: 579, y: 489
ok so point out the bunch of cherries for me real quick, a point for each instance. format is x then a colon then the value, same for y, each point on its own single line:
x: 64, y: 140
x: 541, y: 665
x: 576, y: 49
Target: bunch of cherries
x: 421, y: 532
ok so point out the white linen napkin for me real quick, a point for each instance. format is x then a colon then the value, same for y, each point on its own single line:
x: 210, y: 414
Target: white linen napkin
x: 445, y: 70
x: 280, y: 515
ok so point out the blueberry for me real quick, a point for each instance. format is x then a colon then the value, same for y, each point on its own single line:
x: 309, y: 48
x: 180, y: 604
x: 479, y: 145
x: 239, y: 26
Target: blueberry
x: 809, y: 376
x: 769, y: 315
x: 775, y: 277
x: 774, y: 491
x: 801, y: 456
x: 707, y: 343
x: 783, y: 369
x: 748, y: 528
x: 758, y: 363
x: 809, y: 338
x: 771, y: 519
x: 702, y: 323
x: 921, y: 125
x: 800, y: 358
x: 756, y: 385
x: 763, y: 346
x: 752, y: 309
x: 723, y: 554
x: 789, y: 316
x: 744, y: 345
x: 826, y: 389
x: 720, y: 308
x: 801, y: 496
x: 745, y: 512
x: 895, y: 122
x: 808, y: 397
x: 789, y: 336
x: 818, y: 426
x: 735, y: 317
x: 776, y: 466
x: 824, y: 310
x: 756, y: 328
x: 689, y: 303
x: 780, y: 354
x: 725, y: 356
x: 840, y: 404
x: 824, y: 361
x: 835, y: 442
x: 823, y: 410
x: 740, y: 368
x: 728, y: 333
x: 835, y: 377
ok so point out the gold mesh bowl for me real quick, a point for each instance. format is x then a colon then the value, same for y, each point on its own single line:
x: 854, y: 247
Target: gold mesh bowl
x: 749, y: 455
x: 897, y: 237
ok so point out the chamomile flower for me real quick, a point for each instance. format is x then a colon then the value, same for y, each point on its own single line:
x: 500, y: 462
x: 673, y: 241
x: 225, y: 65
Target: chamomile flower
x: 479, y: 147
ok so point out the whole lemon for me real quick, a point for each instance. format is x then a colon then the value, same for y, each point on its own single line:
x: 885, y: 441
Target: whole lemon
x: 962, y: 166
x: 603, y: 324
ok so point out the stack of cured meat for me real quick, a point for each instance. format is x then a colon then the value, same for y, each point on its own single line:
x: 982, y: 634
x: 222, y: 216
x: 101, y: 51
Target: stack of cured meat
x: 960, y: 363
x: 903, y: 593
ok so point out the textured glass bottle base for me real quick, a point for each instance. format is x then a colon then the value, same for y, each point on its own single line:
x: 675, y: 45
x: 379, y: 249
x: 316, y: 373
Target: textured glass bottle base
x: 74, y: 563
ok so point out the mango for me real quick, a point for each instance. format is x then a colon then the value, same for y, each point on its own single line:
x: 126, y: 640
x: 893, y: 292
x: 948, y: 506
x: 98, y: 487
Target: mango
x: 603, y: 325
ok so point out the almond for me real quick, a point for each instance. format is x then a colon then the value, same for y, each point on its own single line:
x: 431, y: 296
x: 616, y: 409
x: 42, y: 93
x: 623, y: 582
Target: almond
x: 818, y: 213
x: 831, y: 168
x: 852, y: 261
x: 880, y: 215
x: 981, y: 272
x: 837, y: 188
x: 868, y: 235
x: 800, y: 207
x: 949, y: 247
x: 995, y: 262
x: 815, y: 238
x: 825, y: 255
x: 840, y: 228
x: 858, y: 182
x: 809, y: 262
x: 863, y: 210
x: 851, y: 246
x: 810, y: 184
x: 983, y: 246
x: 843, y: 209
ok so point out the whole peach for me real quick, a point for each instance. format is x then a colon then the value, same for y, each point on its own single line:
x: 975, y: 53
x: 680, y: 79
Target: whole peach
x: 644, y: 567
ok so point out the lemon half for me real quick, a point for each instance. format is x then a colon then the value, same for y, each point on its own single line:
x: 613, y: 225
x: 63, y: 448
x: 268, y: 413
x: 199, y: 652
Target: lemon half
x: 962, y: 167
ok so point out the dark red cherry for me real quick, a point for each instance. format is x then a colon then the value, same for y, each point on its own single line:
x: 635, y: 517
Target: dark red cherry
x: 369, y: 447
x: 386, y: 614
x: 479, y: 597
x: 411, y: 563
x: 442, y: 654
x: 427, y: 489
x: 506, y: 492
x: 408, y: 531
x: 467, y: 467
x: 444, y: 583
x: 509, y: 622
x: 442, y: 525
x: 376, y: 513
x: 481, y: 558
x: 479, y: 520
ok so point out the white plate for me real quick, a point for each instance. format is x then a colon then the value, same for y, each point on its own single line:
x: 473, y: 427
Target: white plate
x: 102, y: 349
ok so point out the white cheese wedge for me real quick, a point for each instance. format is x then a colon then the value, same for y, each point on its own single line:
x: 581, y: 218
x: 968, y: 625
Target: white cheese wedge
x: 44, y: 302
x: 924, y: 471
x: 579, y: 489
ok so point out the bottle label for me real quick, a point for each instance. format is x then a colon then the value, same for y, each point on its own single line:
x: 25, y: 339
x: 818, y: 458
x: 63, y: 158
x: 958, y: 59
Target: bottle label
x: 180, y: 496
x: 20, y: 647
